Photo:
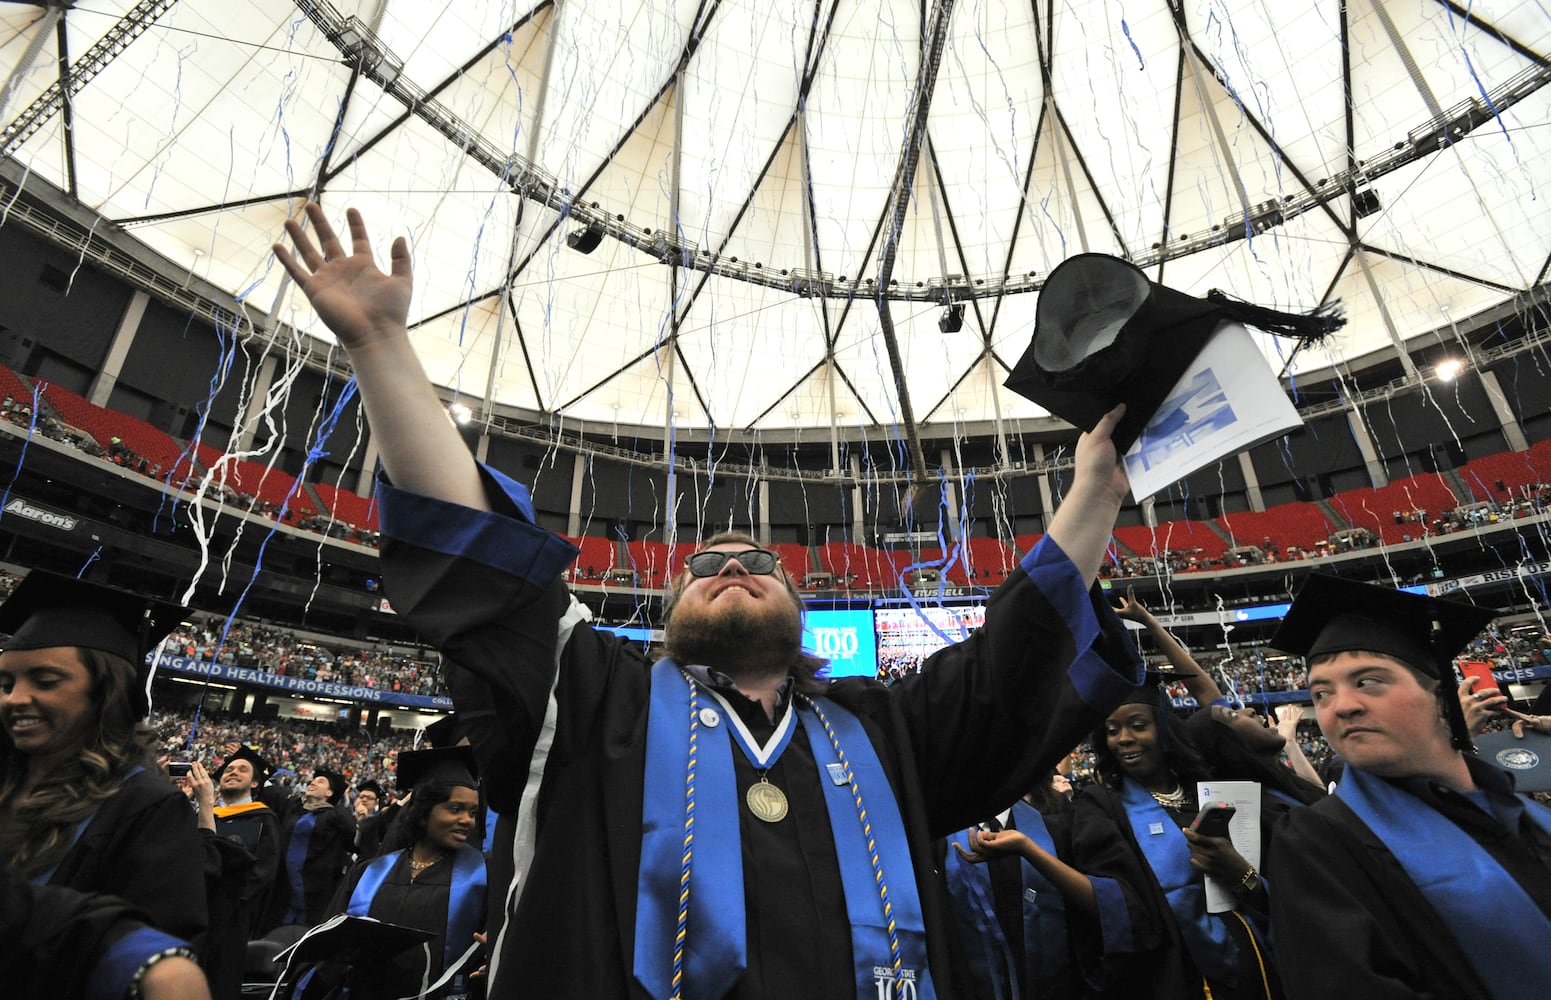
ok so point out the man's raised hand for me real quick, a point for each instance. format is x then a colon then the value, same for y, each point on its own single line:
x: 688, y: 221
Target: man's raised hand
x: 360, y: 303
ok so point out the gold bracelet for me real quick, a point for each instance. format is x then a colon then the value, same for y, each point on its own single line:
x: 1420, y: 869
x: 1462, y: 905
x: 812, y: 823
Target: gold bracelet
x: 1251, y: 880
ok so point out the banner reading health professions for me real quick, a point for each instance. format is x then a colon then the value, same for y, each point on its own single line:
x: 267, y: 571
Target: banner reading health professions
x: 190, y: 667
x: 846, y: 639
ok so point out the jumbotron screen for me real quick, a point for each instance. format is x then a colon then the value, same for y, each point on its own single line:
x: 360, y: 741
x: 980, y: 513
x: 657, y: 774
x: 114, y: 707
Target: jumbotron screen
x: 908, y: 635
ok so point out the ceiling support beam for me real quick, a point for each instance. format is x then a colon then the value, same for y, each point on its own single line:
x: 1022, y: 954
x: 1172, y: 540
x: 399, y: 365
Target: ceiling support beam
x: 904, y: 178
x: 53, y: 100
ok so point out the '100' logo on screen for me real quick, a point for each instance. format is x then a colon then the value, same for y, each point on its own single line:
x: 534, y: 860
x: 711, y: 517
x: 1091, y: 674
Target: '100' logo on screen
x: 835, y: 643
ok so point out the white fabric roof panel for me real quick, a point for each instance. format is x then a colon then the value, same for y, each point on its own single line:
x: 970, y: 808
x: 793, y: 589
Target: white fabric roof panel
x: 772, y: 133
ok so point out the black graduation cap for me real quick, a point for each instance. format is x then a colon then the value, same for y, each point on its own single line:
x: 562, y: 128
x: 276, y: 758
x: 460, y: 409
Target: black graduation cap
x: 369, y: 785
x: 263, y: 770
x: 1332, y: 615
x: 47, y: 609
x: 1104, y: 334
x: 338, y: 783
x: 453, y: 765
x: 346, y: 938
x: 444, y: 732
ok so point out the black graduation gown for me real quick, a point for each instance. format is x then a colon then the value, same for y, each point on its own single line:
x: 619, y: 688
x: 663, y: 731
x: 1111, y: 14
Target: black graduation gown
x: 143, y: 845
x: 257, y: 831
x: 1158, y: 965
x: 962, y: 740
x: 54, y: 937
x: 328, y: 853
x: 1350, y: 922
x: 227, y: 866
x: 1005, y: 873
x: 372, y: 831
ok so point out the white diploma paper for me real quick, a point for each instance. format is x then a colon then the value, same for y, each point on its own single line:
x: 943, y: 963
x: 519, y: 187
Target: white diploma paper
x: 1243, y: 830
x: 1228, y: 400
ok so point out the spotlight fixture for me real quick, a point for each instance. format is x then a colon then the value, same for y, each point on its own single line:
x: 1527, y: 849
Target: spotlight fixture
x: 585, y: 240
x: 460, y: 414
x: 1365, y: 202
x: 952, y: 320
x: 1449, y: 369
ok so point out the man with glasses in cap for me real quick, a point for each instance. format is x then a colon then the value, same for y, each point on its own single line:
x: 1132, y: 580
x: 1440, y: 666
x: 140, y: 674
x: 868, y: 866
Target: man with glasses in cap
x: 1424, y: 875
x: 722, y: 822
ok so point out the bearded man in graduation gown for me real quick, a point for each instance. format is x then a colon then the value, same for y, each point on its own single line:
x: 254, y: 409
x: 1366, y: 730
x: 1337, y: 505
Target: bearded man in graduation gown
x: 1423, y: 875
x: 784, y: 822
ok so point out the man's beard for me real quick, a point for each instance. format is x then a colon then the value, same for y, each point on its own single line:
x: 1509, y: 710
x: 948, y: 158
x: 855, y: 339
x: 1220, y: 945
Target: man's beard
x: 761, y: 641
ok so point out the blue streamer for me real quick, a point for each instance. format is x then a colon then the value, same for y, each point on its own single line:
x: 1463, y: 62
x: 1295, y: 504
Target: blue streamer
x: 32, y: 426
x: 315, y: 452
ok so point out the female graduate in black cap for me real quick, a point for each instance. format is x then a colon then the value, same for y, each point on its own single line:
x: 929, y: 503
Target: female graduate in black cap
x: 432, y: 878
x: 1151, y: 935
x: 77, y: 807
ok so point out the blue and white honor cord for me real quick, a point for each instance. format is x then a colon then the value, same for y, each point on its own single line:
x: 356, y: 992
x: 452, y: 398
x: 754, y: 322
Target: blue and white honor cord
x: 689, y: 840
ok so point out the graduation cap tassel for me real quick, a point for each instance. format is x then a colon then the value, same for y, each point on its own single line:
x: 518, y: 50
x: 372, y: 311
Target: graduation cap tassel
x: 1310, y: 327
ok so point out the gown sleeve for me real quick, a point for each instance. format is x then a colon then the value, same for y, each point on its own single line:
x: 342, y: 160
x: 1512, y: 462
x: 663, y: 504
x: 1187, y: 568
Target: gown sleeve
x: 64, y: 943
x: 990, y: 715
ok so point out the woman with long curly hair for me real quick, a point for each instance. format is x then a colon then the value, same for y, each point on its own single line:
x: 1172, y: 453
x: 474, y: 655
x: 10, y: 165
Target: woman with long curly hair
x: 78, y: 807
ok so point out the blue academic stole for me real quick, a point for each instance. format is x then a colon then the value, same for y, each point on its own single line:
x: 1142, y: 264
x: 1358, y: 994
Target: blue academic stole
x: 1471, y: 892
x: 1206, y: 936
x: 985, y: 948
x: 692, y: 853
x: 295, y: 857
x: 1044, y: 908
x: 465, y: 900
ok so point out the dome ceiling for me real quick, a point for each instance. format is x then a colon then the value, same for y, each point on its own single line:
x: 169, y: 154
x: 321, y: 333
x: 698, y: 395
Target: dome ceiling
x: 780, y: 203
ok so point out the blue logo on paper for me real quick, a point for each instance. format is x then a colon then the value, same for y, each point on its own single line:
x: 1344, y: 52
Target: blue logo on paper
x: 1188, y: 417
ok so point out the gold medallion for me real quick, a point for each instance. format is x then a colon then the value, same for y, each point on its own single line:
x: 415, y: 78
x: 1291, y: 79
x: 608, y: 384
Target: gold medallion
x: 766, y: 802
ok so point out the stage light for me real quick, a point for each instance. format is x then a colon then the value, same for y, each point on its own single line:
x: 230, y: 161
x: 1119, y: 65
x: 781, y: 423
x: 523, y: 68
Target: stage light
x: 1449, y: 369
x: 460, y: 414
x: 585, y: 240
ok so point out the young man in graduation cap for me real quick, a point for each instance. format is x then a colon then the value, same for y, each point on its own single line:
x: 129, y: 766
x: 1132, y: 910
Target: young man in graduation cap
x: 814, y: 804
x: 1424, y: 875
x: 317, y: 840
x: 239, y: 816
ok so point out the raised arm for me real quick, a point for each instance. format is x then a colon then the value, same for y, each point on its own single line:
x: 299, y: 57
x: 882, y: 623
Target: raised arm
x: 367, y: 310
x: 1202, y: 688
x: 1287, y: 719
x: 1084, y: 521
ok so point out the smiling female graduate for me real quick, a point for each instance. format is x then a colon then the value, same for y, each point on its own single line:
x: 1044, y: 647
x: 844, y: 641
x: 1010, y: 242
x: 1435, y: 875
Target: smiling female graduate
x: 77, y: 806
x: 432, y: 879
x: 1147, y: 932
x: 1423, y: 875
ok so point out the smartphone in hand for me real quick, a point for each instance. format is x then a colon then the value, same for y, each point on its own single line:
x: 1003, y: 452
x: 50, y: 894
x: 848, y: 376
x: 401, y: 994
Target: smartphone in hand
x: 178, y: 768
x: 1482, y: 672
x: 1212, y: 820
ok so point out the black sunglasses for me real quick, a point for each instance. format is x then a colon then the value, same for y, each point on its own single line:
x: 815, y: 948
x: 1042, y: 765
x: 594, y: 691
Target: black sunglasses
x: 757, y: 561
